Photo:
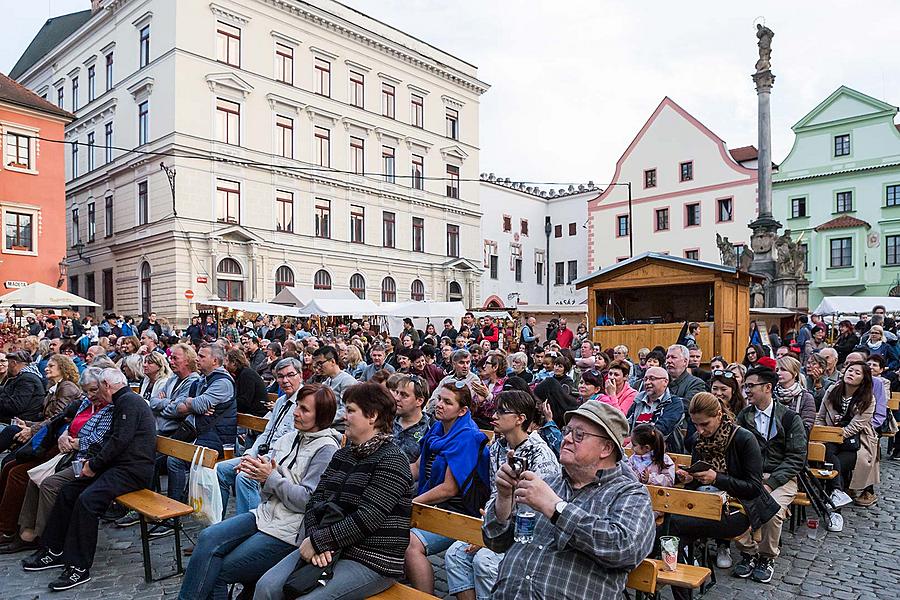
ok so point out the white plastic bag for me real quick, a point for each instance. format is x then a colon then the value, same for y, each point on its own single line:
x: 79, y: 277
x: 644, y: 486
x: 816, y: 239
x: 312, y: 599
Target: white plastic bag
x: 204, y: 494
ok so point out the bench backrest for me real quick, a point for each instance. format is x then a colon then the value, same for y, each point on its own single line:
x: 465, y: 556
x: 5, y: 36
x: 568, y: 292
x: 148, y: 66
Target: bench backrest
x: 489, y: 433
x: 643, y: 577
x: 675, y: 501
x: 449, y: 524
x: 272, y: 397
x: 815, y: 452
x: 821, y: 433
x: 185, y: 451
x: 680, y: 460
x: 252, y: 422
x: 893, y: 402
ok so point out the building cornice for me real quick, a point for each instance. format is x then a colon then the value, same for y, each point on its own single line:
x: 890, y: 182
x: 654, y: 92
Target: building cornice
x: 228, y: 14
x: 96, y: 115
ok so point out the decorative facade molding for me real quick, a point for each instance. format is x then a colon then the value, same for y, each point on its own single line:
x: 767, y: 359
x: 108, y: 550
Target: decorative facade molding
x: 142, y: 88
x: 285, y: 39
x: 227, y: 14
x: 229, y: 82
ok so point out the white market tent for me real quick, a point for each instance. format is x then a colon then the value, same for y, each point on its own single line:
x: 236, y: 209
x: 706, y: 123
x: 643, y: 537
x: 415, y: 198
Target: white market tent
x: 854, y: 305
x: 339, y: 307
x: 421, y: 314
x: 301, y: 296
x: 41, y: 295
x: 263, y: 308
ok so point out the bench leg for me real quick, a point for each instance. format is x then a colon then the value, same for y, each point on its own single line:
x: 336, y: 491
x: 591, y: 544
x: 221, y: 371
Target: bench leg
x: 179, y: 567
x: 145, y: 548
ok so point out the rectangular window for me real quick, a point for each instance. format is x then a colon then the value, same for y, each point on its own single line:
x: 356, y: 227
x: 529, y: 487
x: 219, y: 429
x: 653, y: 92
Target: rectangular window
x: 75, y: 159
x: 557, y: 231
x: 805, y: 248
x: 494, y: 262
x: 517, y: 266
x: 143, y: 204
x: 19, y: 232
x: 843, y: 202
x: 573, y: 271
x: 357, y: 224
x: 452, y: 117
x: 284, y: 211
x: 73, y: 284
x: 323, y: 146
x: 388, y: 101
x: 798, y: 207
x: 76, y: 227
x: 60, y: 97
x: 892, y: 253
x: 228, y: 44
x: 507, y: 224
x: 842, y: 145
x: 539, y: 273
x: 573, y: 229
x: 692, y: 215
x: 841, y: 252
x: 622, y: 226
x: 387, y: 163
x: 417, y: 103
x: 108, y: 141
x: 109, y: 71
x: 892, y: 195
x: 452, y: 181
x: 228, y: 201
x: 107, y: 289
x: 357, y: 89
x: 228, y: 121
x: 89, y: 288
x: 650, y: 178
x: 662, y: 219
x: 686, y: 171
x: 725, y: 210
x: 284, y: 64
x: 92, y: 221
x: 389, y: 229
x: 108, y: 217
x: 92, y: 83
x: 453, y: 240
x: 692, y: 254
x: 284, y: 136
x: 560, y: 274
x: 18, y: 151
x: 323, y: 218
x: 145, y: 46
x: 143, y: 122
x: 523, y: 226
x: 74, y: 94
x: 322, y: 77
x: 357, y: 155
x: 90, y: 150
x: 418, y: 172
x: 418, y: 234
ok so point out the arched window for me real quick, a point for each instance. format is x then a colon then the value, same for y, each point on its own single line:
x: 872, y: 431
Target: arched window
x: 358, y: 286
x: 230, y: 284
x: 493, y: 305
x: 322, y: 280
x: 388, y: 290
x: 417, y: 290
x: 284, y: 277
x: 146, y: 289
x: 454, y: 292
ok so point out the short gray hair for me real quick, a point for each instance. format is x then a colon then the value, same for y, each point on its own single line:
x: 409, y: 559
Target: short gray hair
x: 216, y: 351
x: 519, y: 357
x: 685, y: 353
x: 459, y: 355
x: 150, y: 334
x: 90, y: 376
x: 103, y: 362
x: 113, y: 377
x: 284, y: 363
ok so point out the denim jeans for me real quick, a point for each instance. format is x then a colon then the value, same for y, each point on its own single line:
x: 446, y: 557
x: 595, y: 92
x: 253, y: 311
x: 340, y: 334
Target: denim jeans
x: 230, y: 552
x: 350, y: 580
x: 466, y: 571
x: 246, y: 490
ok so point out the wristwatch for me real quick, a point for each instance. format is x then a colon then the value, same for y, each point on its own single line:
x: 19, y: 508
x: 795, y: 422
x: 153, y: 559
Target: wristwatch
x: 557, y: 510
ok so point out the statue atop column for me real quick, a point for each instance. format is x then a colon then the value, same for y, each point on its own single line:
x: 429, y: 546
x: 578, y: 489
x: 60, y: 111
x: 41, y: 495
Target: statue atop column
x: 764, y: 35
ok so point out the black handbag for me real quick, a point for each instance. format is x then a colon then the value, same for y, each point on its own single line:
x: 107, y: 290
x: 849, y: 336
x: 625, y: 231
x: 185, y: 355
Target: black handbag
x: 850, y: 444
x: 306, y: 576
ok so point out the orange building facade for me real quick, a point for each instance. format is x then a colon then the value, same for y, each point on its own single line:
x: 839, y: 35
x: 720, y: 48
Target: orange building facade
x: 32, y: 189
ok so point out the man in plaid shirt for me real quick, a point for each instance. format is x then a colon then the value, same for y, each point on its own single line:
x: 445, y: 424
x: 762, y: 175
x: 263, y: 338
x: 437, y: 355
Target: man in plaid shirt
x: 594, y: 522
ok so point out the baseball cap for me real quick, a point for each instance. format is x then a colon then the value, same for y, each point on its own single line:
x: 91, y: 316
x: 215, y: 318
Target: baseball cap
x: 609, y: 418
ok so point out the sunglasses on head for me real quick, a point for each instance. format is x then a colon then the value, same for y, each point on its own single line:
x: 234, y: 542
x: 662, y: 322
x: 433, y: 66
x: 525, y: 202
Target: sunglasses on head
x: 721, y: 373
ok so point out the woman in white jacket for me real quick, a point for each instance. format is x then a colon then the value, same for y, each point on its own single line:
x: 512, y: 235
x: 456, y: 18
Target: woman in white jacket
x: 156, y: 373
x: 242, y: 548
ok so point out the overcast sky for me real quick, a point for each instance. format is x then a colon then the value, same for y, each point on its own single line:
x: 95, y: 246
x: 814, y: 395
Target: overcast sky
x: 572, y: 81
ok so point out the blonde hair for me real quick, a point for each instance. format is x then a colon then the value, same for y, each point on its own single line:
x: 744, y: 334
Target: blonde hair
x: 792, y: 366
x: 354, y: 356
x: 189, y: 354
x: 160, y: 361
x: 66, y: 367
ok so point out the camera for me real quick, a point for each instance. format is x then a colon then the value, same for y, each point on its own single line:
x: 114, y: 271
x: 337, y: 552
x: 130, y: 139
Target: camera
x: 520, y: 463
x: 263, y: 449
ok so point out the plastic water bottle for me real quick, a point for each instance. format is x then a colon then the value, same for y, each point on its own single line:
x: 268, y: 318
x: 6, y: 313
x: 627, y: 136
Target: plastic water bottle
x: 525, y: 520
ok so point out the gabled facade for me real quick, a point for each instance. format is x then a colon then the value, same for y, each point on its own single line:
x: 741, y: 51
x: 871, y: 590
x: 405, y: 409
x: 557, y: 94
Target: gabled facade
x: 839, y: 190
x: 686, y: 186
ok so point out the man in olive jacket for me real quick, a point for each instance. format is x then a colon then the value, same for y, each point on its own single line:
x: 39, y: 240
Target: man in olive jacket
x: 782, y: 441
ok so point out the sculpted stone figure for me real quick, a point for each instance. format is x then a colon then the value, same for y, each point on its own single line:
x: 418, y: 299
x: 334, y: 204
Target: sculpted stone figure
x: 726, y: 250
x: 746, y: 259
x: 764, y: 35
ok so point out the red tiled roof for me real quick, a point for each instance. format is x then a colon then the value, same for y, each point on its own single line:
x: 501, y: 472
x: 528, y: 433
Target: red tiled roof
x: 744, y: 153
x: 14, y: 93
x: 843, y: 222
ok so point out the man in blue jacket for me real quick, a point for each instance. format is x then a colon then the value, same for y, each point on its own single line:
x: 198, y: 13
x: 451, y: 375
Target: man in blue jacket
x: 658, y: 407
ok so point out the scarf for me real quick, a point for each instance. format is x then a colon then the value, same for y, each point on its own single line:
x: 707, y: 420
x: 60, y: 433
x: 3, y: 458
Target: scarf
x: 712, y: 449
x: 874, y: 345
x: 457, y: 449
x: 367, y: 448
x: 790, y: 396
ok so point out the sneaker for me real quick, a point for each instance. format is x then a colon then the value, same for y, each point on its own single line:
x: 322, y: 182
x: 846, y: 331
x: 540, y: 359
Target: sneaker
x: 865, y: 499
x: 839, y: 498
x: 746, y: 567
x: 17, y: 546
x: 70, y: 578
x: 43, y: 560
x: 160, y: 530
x: 835, y: 522
x: 115, y: 511
x: 131, y: 518
x: 895, y: 456
x: 765, y: 568
x: 723, y: 557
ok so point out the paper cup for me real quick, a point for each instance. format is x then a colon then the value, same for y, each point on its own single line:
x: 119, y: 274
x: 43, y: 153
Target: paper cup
x: 669, y: 546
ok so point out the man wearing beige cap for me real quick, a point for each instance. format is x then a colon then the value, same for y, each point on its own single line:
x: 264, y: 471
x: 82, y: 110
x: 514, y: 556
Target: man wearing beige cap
x: 594, y: 523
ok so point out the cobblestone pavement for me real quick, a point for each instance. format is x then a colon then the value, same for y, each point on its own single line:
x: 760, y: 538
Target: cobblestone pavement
x: 862, y: 562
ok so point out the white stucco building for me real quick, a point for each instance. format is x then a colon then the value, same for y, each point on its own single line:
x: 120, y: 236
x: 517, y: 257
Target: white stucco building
x: 686, y: 186
x: 522, y: 265
x: 312, y: 145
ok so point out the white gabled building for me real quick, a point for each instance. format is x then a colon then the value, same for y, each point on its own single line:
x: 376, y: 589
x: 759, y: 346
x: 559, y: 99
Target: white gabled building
x: 314, y: 145
x: 522, y: 264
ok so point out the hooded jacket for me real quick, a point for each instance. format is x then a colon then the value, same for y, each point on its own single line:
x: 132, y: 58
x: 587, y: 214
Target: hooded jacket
x: 23, y: 395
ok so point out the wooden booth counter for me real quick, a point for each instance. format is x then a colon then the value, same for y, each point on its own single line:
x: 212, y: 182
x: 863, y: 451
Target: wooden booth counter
x: 645, y: 301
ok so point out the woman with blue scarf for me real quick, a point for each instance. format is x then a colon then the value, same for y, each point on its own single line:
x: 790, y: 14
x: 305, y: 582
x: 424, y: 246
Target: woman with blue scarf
x: 451, y: 451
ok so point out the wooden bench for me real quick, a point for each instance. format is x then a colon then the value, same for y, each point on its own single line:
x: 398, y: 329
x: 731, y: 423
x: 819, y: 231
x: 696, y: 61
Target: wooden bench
x: 893, y: 402
x: 251, y: 422
x: 272, y: 397
x: 680, y: 460
x: 156, y: 507
x: 822, y: 433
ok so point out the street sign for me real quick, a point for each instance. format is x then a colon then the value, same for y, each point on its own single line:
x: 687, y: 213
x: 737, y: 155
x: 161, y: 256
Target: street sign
x: 14, y: 284
x: 188, y: 294
x: 202, y: 279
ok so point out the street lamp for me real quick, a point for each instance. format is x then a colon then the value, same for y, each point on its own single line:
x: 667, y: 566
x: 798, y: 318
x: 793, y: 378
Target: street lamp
x: 79, y: 249
x: 547, y: 229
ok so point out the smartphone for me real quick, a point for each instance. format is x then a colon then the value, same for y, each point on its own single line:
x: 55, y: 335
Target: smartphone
x: 699, y: 467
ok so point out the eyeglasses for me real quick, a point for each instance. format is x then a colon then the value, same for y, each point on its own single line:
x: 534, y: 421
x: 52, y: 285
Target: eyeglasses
x: 284, y: 376
x: 750, y: 386
x: 578, y: 434
x: 504, y: 411
x: 651, y: 378
x: 721, y: 373
x: 414, y: 378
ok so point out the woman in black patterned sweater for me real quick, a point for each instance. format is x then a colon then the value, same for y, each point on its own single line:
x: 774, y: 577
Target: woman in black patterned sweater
x: 370, y: 481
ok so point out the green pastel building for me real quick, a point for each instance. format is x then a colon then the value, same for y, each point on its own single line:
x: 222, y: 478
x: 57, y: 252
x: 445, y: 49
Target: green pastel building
x: 838, y: 191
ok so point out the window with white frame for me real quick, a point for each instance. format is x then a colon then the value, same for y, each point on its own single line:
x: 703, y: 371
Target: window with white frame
x: 143, y: 203
x: 108, y: 216
x: 388, y: 166
x: 357, y: 224
x: 228, y: 201
x: 19, y: 152
x: 418, y: 172
x: 357, y: 155
x: 388, y: 100
x: 323, y: 146
x: 228, y: 121
x: 284, y: 63
x: 284, y: 211
x: 357, y: 89
x: 452, y: 118
x: 417, y: 103
x: 228, y: 44
x: 108, y: 141
x: 19, y: 227
x: 76, y: 226
x: 92, y: 83
x: 143, y: 122
x: 284, y: 136
x: 91, y: 147
x: 144, y: 46
x: 91, y: 221
x: 322, y: 77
